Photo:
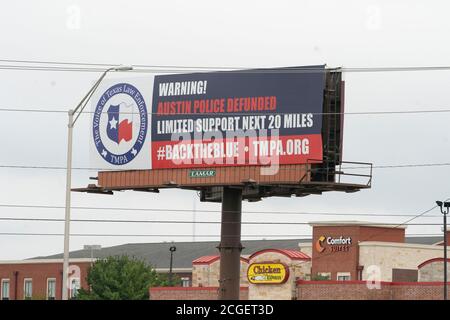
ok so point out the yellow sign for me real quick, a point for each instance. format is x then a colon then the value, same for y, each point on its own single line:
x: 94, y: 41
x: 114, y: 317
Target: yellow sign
x: 267, y: 273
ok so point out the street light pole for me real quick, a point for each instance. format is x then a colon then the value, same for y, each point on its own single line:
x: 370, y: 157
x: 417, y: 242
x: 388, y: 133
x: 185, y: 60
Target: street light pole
x: 80, y: 107
x: 445, y: 254
x: 172, y: 250
x: 445, y: 211
x: 67, y: 211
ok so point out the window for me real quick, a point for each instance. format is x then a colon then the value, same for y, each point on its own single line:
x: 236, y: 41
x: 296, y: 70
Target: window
x: 51, y: 289
x: 27, y: 288
x: 185, y: 282
x: 405, y: 275
x: 324, y: 276
x: 343, y: 276
x: 74, y: 287
x: 5, y: 289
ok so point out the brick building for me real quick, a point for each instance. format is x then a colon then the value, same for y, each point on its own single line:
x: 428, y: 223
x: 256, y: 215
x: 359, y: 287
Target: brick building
x: 344, y: 255
x: 351, y: 250
x: 352, y: 260
x: 354, y: 251
x: 40, y: 279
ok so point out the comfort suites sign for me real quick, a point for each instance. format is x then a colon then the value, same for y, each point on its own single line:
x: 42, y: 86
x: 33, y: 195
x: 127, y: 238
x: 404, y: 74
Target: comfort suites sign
x: 336, y: 244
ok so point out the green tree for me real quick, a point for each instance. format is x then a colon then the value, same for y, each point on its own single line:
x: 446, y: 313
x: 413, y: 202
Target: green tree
x: 319, y: 277
x: 119, y: 278
x: 164, y: 280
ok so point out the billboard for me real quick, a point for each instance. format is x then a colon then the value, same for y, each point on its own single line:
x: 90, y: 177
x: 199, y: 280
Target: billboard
x: 203, y: 120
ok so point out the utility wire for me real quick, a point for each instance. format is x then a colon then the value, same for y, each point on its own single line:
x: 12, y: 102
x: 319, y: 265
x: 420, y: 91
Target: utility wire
x: 184, y: 68
x: 200, y: 222
x: 57, y: 63
x: 421, y: 111
x: 293, y: 236
x: 407, y: 222
x: 408, y: 165
x: 168, y: 210
x: 140, y: 235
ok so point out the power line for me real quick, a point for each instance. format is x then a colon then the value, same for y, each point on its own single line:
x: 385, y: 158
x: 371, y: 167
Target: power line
x: 198, y: 222
x: 408, y: 165
x: 60, y: 69
x: 113, y: 64
x: 420, y: 111
x: 56, y: 62
x: 135, y: 235
x: 174, y: 210
x: 294, y: 236
x: 34, y: 110
x: 407, y: 222
x: 161, y: 68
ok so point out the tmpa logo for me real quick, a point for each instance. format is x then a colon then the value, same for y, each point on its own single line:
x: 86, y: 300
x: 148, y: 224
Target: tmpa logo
x: 120, y: 124
x: 335, y: 243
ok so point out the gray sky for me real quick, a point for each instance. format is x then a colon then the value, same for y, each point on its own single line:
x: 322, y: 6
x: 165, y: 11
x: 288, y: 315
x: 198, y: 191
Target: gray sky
x: 208, y: 33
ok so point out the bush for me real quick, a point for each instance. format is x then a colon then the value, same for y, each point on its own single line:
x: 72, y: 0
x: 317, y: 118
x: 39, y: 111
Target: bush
x: 119, y: 278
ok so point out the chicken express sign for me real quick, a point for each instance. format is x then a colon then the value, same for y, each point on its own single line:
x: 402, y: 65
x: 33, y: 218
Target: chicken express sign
x: 267, y: 273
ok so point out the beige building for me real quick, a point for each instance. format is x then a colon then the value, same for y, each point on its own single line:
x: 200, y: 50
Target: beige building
x: 433, y: 270
x: 205, y: 272
x: 298, y: 265
x: 388, y: 257
x: 339, y: 251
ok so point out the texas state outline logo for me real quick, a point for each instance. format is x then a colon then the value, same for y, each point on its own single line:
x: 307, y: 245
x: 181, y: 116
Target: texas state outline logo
x: 120, y: 124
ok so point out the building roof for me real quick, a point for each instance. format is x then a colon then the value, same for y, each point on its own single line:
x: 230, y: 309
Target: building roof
x: 158, y: 255
x: 295, y: 254
x: 44, y: 260
x: 292, y: 254
x: 423, y: 240
x: 423, y: 264
x: 206, y: 259
x: 211, y: 259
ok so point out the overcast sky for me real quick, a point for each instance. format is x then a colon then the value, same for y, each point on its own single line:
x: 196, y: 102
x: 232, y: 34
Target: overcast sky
x: 259, y: 33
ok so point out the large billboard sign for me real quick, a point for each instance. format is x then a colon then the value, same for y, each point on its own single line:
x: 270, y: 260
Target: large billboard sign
x: 202, y: 120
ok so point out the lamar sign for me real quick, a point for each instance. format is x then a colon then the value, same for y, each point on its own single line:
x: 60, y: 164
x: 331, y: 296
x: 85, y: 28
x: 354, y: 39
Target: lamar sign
x: 267, y: 273
x: 202, y: 173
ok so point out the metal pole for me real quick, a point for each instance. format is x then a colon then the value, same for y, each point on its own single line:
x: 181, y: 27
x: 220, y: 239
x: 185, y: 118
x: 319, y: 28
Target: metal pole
x: 172, y: 249
x: 67, y: 214
x: 170, y: 269
x: 193, y: 224
x: 80, y: 107
x: 230, y: 246
x: 445, y: 253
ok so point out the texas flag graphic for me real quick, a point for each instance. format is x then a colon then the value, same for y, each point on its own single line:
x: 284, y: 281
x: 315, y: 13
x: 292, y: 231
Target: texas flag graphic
x: 119, y: 125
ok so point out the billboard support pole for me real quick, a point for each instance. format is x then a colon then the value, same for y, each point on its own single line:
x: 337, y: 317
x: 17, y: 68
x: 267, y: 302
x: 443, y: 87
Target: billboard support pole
x: 445, y: 208
x: 230, y: 246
